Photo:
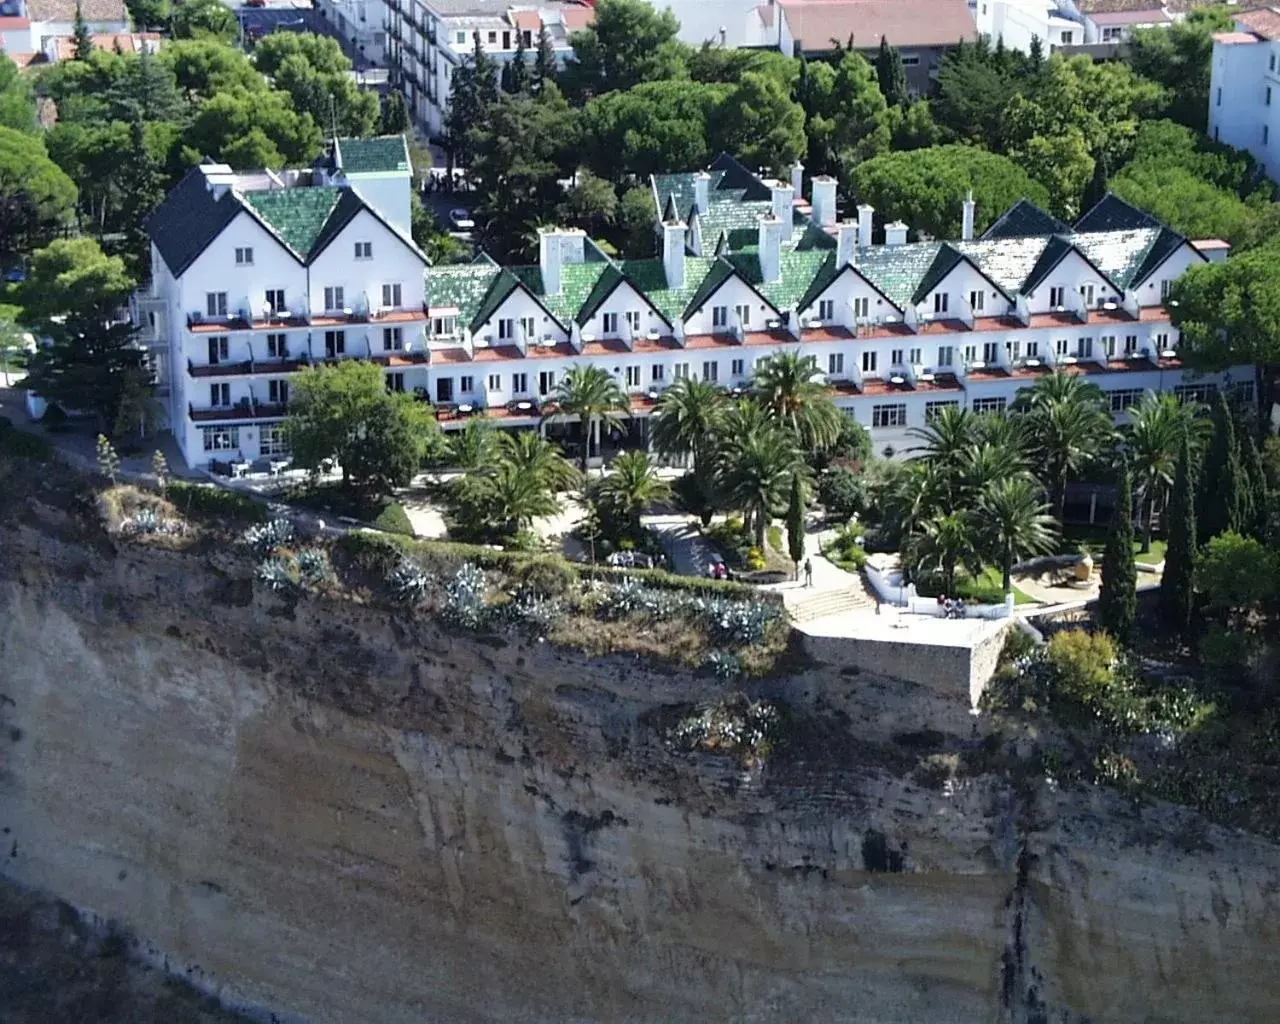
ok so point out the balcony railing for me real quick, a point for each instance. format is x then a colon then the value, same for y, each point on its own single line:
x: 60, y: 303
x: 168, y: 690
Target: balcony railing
x: 245, y: 409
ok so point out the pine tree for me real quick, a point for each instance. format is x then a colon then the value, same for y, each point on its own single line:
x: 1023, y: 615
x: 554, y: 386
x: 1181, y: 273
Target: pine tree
x: 475, y: 86
x: 1221, y: 489
x: 892, y: 75
x: 1177, y: 593
x: 518, y: 78
x: 1035, y: 56
x: 544, y: 61
x: 1259, y: 493
x: 1117, y: 600
x: 795, y: 522
x: 83, y: 40
x: 108, y: 460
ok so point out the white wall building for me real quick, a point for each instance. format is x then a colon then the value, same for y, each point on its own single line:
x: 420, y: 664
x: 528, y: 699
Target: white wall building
x: 362, y: 23
x: 1244, y: 87
x: 1017, y: 22
x: 256, y: 275
x: 1067, y: 24
x: 428, y: 40
x: 30, y: 27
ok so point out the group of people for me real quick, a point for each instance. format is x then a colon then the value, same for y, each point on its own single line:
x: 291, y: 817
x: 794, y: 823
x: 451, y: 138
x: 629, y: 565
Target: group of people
x: 718, y: 571
x: 952, y: 607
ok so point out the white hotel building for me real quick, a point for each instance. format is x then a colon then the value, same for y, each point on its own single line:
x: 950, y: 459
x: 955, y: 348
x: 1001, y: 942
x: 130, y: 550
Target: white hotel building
x: 1244, y: 87
x: 257, y: 275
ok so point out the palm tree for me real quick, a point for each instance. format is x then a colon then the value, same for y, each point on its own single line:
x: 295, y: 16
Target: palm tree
x: 513, y: 498
x: 686, y: 417
x: 474, y: 446
x: 1057, y: 387
x: 946, y: 435
x: 1003, y: 432
x: 794, y: 391
x: 1016, y: 524
x: 1158, y: 426
x: 945, y: 544
x: 590, y: 394
x: 753, y: 474
x: 920, y: 491
x: 1067, y: 427
x: 532, y: 454
x: 632, y: 486
x: 980, y: 466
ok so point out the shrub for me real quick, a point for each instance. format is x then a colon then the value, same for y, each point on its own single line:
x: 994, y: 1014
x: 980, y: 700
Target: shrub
x: 549, y: 577
x: 21, y: 445
x: 1018, y: 644
x: 842, y: 492
x: 408, y: 582
x: 723, y: 664
x: 1084, y: 663
x: 267, y: 538
x: 207, y: 501
x: 464, y: 597
x: 314, y: 567
x: 737, y: 726
x: 394, y: 519
x: 522, y: 540
x: 275, y: 575
x: 755, y: 560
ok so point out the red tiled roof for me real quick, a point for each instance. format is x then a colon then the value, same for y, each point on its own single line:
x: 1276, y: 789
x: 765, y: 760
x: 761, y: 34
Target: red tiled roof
x: 12, y: 24
x: 1143, y: 16
x: 1264, y: 22
x: 1210, y: 244
x: 530, y: 21
x: 576, y: 18
x: 906, y: 23
x: 1235, y: 38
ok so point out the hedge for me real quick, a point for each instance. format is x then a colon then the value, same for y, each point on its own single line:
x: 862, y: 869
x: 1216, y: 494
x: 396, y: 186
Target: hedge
x: 21, y: 445
x: 394, y: 519
x: 211, y: 502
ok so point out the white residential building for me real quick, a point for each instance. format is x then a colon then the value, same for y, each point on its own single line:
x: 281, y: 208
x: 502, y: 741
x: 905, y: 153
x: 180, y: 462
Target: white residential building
x: 256, y: 276
x: 31, y: 29
x: 1244, y: 87
x: 362, y: 23
x: 1072, y: 24
x: 428, y: 40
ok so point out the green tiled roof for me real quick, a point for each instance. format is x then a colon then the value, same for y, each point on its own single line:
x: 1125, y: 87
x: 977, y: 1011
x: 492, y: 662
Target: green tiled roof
x: 898, y: 269
x: 797, y: 271
x: 372, y: 156
x: 464, y: 285
x: 651, y: 278
x: 1118, y: 254
x: 577, y: 282
x: 297, y: 215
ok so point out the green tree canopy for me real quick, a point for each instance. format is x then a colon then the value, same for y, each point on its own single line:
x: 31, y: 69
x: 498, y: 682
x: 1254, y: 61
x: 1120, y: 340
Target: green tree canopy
x: 891, y: 75
x: 73, y: 276
x: 203, y: 67
x: 17, y: 99
x: 1118, y: 598
x: 1178, y: 58
x: 655, y: 128
x: 248, y: 130
x: 1229, y: 313
x: 926, y: 188
x: 848, y: 120
x: 205, y: 19
x: 36, y: 197
x: 628, y: 42
x: 761, y: 123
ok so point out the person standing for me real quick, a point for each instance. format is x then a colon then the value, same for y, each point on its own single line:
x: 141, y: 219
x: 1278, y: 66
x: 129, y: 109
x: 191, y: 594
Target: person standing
x: 808, y: 572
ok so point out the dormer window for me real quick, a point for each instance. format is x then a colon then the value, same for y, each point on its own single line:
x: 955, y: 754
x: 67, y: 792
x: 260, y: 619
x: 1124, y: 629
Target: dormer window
x: 976, y: 300
x: 827, y: 309
x: 244, y: 256
x: 444, y: 326
x: 940, y: 302
x: 610, y: 323
x: 1057, y: 297
x: 333, y: 298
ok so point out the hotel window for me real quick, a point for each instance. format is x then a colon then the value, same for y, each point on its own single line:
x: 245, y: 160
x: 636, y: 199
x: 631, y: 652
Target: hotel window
x: 217, y: 350
x: 220, y: 439
x: 392, y: 339
x: 546, y: 382
x: 889, y: 415
x: 244, y: 256
x: 278, y: 392
x: 868, y: 362
x: 633, y: 376
x: 970, y: 354
x: 946, y: 355
x: 1242, y: 391
x: 1013, y: 349
x: 506, y: 329
x: 657, y: 373
x: 444, y: 326
x: 895, y: 357
x: 1130, y: 344
x: 1266, y: 133
x: 1109, y: 345
x: 1217, y: 99
x: 610, y: 323
x: 996, y: 406
x: 277, y: 346
x: 395, y: 382
x: 861, y: 308
x: 910, y: 60
x: 466, y: 385
x: 933, y: 409
x: 275, y: 299
x: 976, y: 300
x: 215, y: 304
x: 1165, y: 287
x: 744, y: 316
x: 494, y: 383
x: 1271, y: 63
x: 273, y: 441
x: 913, y: 357
x: 711, y: 370
x: 1067, y: 37
x: 333, y: 297
x: 1033, y: 350
x: 364, y: 250
x: 1122, y: 400
x: 680, y: 372
x: 826, y: 309
x: 990, y: 352
x: 719, y: 316
x: 835, y: 364
x: 219, y: 395
x: 1086, y: 292
x: 335, y: 344
x: 633, y: 320
x: 1162, y: 342
x: 939, y: 302
x: 737, y: 368
x: 528, y: 326
x: 1057, y: 296
x: 1085, y: 348
x: 460, y: 38
x: 493, y: 38
x: 1268, y: 95
x: 1060, y: 346
x: 519, y: 383
x: 1202, y: 393
x: 391, y: 296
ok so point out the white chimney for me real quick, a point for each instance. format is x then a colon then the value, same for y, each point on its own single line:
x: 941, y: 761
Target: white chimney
x: 556, y: 247
x: 895, y: 233
x: 701, y: 191
x: 797, y: 179
x: 846, y: 243
x: 966, y: 229
x: 782, y: 200
x: 865, y: 215
x: 823, y: 195
x: 770, y: 248
x: 673, y: 253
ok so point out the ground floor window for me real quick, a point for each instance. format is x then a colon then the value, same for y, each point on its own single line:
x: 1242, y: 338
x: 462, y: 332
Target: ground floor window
x: 273, y: 441
x: 1204, y: 393
x: 934, y: 409
x: 1242, y: 391
x: 1124, y: 398
x: 889, y: 415
x: 990, y: 405
x: 220, y: 439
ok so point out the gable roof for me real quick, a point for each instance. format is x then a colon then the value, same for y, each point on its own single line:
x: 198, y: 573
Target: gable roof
x: 949, y: 257
x: 905, y: 23
x: 830, y: 272
x: 188, y: 220
x: 65, y: 10
x: 380, y: 155
x: 1111, y: 213
x: 1263, y: 22
x: 1024, y: 218
x: 297, y: 216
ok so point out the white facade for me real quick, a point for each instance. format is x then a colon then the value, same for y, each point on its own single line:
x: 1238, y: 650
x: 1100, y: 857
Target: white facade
x: 362, y: 23
x: 1244, y: 95
x: 729, y: 23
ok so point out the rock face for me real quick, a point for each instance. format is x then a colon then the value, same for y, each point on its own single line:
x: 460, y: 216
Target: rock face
x: 339, y: 814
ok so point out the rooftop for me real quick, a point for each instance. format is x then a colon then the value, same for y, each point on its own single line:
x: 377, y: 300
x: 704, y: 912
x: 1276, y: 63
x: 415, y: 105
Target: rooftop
x: 384, y: 154
x: 815, y: 24
x: 65, y: 10
x: 1263, y: 22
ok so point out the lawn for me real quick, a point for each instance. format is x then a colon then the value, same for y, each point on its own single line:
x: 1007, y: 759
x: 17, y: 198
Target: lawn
x: 986, y: 589
x: 1082, y: 537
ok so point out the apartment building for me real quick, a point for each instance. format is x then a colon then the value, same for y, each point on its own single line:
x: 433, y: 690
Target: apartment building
x: 1244, y: 87
x: 257, y: 276
x: 428, y: 40
x: 1072, y: 25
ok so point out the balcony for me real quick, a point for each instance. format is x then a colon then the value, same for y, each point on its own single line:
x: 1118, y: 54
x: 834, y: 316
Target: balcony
x: 244, y: 320
x: 245, y: 409
x: 246, y: 368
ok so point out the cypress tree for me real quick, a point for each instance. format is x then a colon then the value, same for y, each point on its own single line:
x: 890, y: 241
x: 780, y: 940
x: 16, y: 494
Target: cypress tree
x: 891, y: 75
x: 519, y: 77
x: 1259, y: 497
x: 1118, y: 600
x: 544, y: 61
x: 795, y: 522
x: 82, y: 36
x: 1221, y: 489
x: 1177, y: 587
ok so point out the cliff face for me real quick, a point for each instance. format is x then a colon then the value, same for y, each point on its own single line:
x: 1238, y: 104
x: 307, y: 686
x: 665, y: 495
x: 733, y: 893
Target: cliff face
x: 341, y: 814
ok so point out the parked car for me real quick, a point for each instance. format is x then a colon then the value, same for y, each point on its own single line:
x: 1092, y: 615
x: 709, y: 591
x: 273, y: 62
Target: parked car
x: 255, y: 3
x: 461, y: 220
x: 15, y: 275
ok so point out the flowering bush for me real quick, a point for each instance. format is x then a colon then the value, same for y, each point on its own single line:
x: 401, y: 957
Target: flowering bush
x: 264, y: 540
x: 149, y: 521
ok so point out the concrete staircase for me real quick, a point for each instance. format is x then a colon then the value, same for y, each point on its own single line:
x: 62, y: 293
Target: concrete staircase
x: 810, y: 605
